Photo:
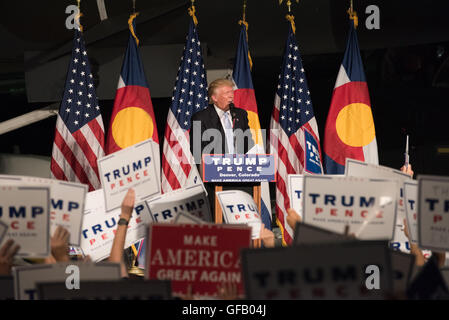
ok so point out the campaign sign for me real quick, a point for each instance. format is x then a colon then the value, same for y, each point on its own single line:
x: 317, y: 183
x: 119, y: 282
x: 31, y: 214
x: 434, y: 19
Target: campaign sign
x: 368, y: 206
x: 330, y: 271
x: 402, y: 243
x: 184, y: 217
x: 192, y: 200
x: 295, y: 183
x: 27, y: 277
x: 307, y: 234
x: 312, y: 154
x: 402, y: 267
x: 99, y: 226
x: 133, y: 167
x: 433, y: 213
x: 66, y: 202
x: 107, y: 290
x: 355, y: 168
x: 239, y: 168
x: 25, y: 210
x: 239, y: 208
x: 203, y: 256
x: 411, y: 208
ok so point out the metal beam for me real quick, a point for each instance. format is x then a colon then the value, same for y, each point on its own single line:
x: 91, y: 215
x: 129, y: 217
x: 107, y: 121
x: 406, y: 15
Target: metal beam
x: 29, y: 118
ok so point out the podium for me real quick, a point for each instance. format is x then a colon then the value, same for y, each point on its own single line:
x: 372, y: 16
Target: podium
x: 244, y: 170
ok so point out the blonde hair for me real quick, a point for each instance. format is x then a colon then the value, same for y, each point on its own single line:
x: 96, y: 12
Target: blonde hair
x: 216, y: 84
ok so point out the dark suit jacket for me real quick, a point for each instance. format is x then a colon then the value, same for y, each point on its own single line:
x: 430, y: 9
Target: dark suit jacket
x: 214, y: 141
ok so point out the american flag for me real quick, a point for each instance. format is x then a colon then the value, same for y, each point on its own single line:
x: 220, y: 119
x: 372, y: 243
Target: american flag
x: 293, y: 127
x: 189, y: 97
x: 79, y: 133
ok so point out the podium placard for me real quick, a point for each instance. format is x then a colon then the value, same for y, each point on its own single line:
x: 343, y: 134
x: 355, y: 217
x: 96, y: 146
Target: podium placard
x: 219, y: 168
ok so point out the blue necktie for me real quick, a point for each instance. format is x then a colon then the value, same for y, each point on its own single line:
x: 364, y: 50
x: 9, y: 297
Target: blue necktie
x: 229, y: 133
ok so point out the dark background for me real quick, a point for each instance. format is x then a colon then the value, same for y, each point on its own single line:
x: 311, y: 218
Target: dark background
x: 406, y: 61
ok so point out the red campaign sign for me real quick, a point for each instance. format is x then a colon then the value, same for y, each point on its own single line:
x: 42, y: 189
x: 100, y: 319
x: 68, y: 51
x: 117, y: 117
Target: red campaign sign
x: 203, y: 256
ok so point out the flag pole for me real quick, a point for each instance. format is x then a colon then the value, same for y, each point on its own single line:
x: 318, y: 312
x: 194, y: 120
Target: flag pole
x: 243, y: 21
x: 134, y: 269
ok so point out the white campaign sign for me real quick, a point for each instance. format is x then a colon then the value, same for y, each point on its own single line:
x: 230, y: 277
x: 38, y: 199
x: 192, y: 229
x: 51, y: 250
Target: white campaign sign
x: 25, y: 210
x: 133, y: 167
x: 331, y: 271
x: 26, y: 278
x: 356, y: 168
x: 239, y: 208
x: 368, y: 206
x: 187, y: 218
x: 99, y: 227
x: 411, y: 208
x: 66, y: 202
x: 295, y: 184
x: 192, y: 200
x: 433, y: 213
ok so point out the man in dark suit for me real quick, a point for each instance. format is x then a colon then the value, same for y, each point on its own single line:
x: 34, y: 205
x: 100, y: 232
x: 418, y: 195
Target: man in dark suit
x: 220, y: 128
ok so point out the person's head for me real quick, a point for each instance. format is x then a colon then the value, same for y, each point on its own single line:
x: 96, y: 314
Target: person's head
x: 221, y: 93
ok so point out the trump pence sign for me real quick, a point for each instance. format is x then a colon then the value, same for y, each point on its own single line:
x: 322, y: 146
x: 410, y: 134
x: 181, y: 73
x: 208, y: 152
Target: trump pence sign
x: 367, y: 206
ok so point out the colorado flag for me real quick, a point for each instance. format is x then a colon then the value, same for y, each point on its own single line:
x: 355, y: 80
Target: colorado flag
x: 132, y: 119
x: 245, y: 98
x: 350, y: 129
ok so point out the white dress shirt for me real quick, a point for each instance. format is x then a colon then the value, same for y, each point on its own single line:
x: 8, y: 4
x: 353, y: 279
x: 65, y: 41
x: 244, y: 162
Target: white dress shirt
x: 228, y: 132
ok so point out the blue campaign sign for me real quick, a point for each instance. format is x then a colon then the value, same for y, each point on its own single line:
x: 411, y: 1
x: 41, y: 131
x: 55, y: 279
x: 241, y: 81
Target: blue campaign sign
x: 239, y: 168
x: 313, y: 161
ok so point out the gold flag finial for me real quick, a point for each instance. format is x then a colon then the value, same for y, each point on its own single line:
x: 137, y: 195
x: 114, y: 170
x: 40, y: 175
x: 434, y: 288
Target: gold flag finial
x: 78, y: 16
x: 131, y: 28
x: 291, y: 18
x: 192, y: 13
x: 289, y: 4
x: 353, y: 15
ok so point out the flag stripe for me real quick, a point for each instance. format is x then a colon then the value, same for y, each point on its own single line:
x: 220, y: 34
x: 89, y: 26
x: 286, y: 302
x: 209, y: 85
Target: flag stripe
x: 170, y: 176
x: 170, y: 138
x: 71, y: 159
x: 86, y: 149
x: 57, y: 172
x: 175, y: 165
x: 61, y: 162
x: 78, y: 152
x: 96, y: 126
